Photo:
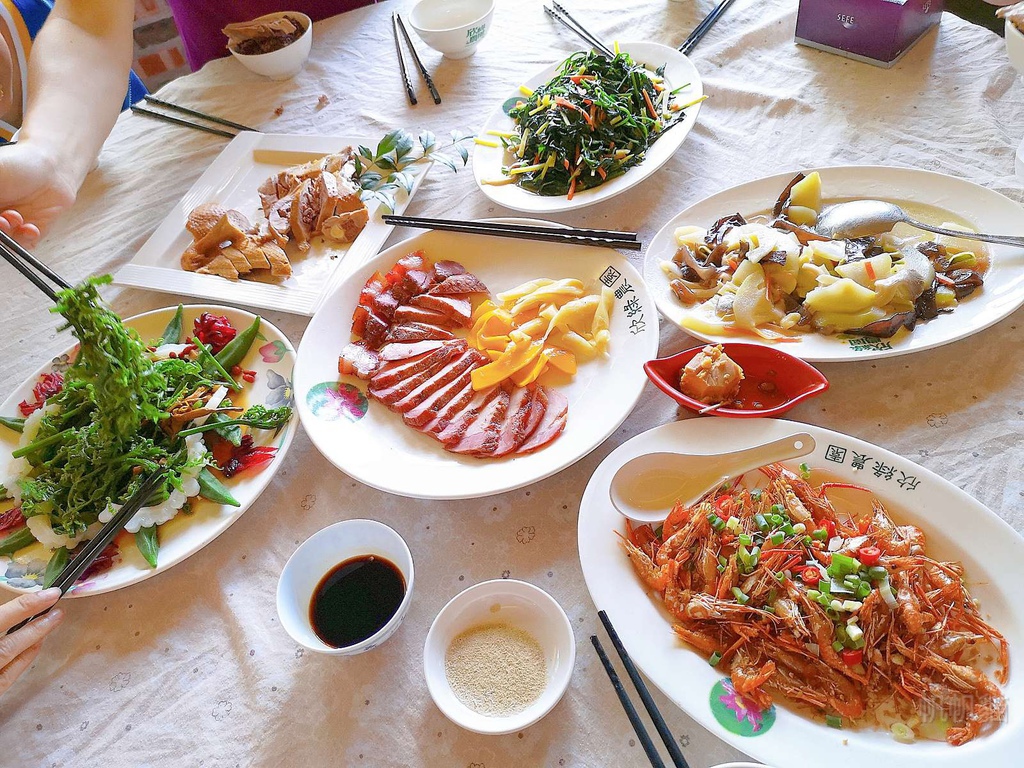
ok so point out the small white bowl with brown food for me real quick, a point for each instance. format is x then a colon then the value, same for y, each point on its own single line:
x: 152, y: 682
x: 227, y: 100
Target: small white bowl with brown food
x: 275, y: 45
x: 499, y: 656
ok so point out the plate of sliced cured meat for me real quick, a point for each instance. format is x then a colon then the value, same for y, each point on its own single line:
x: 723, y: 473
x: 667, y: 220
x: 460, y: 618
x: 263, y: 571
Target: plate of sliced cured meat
x: 269, y: 224
x: 457, y: 366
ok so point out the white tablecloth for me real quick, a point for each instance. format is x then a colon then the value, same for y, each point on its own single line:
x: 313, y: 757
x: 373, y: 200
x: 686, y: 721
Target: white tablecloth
x: 193, y: 668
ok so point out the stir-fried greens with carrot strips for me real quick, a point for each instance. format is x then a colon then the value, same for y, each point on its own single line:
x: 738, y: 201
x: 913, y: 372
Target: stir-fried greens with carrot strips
x: 845, y: 614
x: 93, y: 432
x: 593, y: 121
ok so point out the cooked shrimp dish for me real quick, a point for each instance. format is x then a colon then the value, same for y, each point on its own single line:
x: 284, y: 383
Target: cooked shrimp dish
x: 844, y: 615
x: 774, y: 277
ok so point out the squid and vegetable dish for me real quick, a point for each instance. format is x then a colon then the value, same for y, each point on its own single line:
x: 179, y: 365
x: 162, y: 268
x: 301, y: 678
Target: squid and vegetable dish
x: 846, y: 615
x: 775, y: 278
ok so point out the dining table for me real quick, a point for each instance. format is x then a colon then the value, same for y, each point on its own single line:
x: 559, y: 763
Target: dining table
x: 192, y: 667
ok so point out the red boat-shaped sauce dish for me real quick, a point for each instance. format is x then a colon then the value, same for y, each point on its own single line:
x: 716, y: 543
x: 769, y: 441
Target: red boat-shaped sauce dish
x: 772, y: 381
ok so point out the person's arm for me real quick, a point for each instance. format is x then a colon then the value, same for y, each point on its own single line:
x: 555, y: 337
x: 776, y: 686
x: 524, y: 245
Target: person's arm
x: 77, y: 77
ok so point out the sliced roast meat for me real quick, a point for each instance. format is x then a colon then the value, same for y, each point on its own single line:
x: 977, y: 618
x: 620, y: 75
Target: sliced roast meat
x: 418, y: 332
x: 417, y: 281
x: 456, y: 284
x: 449, y: 428
x: 410, y: 314
x: 551, y: 425
x: 457, y: 308
x: 452, y: 370
x: 303, y: 215
x: 391, y: 393
x: 394, y: 372
x: 520, y: 419
x: 414, y: 260
x: 453, y: 395
x: 405, y: 351
x: 481, y: 437
x: 385, y: 304
x: 357, y: 359
x: 536, y: 414
x: 375, y: 329
x: 445, y: 269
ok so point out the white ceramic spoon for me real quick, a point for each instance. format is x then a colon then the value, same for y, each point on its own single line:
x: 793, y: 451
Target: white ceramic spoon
x: 645, y: 489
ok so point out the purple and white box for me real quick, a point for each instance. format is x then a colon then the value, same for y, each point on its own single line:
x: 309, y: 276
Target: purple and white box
x: 877, y: 32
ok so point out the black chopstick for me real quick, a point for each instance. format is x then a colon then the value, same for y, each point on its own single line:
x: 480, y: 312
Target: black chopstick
x: 20, y: 252
x: 611, y: 234
x: 195, y: 113
x: 702, y: 29
x: 416, y: 58
x: 631, y: 713
x: 74, y: 569
x: 140, y: 110
x: 401, y: 61
x: 569, y: 22
x: 544, y: 234
x: 645, y: 695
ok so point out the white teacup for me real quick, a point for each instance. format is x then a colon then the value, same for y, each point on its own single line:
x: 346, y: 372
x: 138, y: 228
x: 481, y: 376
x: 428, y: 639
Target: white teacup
x: 316, y: 557
x: 453, y: 27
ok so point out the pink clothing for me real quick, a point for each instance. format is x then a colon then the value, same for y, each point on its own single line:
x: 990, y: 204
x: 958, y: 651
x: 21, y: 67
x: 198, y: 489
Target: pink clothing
x: 200, y: 21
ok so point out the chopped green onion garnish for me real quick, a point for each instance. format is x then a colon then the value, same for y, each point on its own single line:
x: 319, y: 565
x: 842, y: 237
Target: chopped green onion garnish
x: 760, y: 522
x: 877, y: 572
x: 820, y: 534
x: 714, y: 659
x: 745, y: 540
x: 799, y: 528
x: 833, y: 721
x: 813, y: 594
x: 837, y: 646
x: 741, y: 597
x: 805, y: 471
x: 780, y: 576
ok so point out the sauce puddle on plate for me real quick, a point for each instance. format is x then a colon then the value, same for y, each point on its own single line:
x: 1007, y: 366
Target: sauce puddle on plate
x: 355, y: 600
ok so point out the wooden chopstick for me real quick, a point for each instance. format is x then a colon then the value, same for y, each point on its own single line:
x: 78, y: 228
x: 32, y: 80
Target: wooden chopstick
x: 611, y: 234
x: 401, y: 61
x: 704, y: 27
x: 74, y: 569
x: 416, y: 58
x: 140, y: 110
x: 542, y: 234
x: 196, y: 113
x: 627, y: 705
x: 645, y: 695
x: 567, y: 19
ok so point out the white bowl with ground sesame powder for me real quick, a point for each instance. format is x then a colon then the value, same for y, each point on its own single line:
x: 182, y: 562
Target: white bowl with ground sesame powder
x: 527, y: 636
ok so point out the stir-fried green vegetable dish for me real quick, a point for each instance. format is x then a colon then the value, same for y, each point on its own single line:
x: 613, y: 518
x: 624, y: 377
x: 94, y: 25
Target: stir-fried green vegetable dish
x: 593, y: 121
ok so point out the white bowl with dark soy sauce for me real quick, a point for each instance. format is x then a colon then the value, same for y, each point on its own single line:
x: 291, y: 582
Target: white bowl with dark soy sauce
x: 338, y: 593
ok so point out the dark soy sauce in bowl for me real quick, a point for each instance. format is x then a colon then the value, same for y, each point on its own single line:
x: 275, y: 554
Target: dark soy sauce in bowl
x: 355, y: 600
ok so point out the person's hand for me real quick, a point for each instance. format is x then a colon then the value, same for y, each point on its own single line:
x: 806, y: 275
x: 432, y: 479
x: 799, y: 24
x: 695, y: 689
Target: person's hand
x: 19, y: 650
x: 33, y: 192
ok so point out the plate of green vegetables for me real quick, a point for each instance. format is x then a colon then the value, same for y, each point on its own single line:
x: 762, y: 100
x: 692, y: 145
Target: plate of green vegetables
x: 204, y: 391
x: 587, y: 128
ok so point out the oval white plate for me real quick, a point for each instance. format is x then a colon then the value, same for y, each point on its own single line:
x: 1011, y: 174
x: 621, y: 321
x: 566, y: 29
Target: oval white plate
x: 487, y: 161
x: 273, y: 358
x: 368, y: 442
x: 985, y: 210
x: 957, y: 527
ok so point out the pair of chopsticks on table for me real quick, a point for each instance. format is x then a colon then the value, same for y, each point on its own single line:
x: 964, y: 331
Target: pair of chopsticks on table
x: 559, y: 14
x: 38, y: 273
x: 604, y: 238
x: 398, y: 27
x: 138, y: 109
x: 675, y: 753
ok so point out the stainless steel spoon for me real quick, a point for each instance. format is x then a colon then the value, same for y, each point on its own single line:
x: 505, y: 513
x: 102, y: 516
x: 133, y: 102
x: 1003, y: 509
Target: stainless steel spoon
x: 863, y: 218
x: 644, y: 489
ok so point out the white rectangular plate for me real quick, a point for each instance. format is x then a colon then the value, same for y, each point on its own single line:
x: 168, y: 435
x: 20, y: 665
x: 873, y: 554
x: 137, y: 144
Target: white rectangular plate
x: 232, y: 180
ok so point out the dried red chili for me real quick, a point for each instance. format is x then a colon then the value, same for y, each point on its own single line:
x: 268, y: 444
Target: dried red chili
x: 49, y: 384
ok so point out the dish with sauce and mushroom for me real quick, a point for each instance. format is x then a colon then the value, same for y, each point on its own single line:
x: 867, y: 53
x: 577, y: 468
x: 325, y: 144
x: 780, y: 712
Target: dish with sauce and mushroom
x: 775, y: 277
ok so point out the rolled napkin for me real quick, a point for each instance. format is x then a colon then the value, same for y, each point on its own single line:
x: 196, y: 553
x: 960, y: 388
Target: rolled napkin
x: 263, y: 35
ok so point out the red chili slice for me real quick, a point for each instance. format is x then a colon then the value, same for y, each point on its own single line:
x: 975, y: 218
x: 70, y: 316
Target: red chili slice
x: 852, y: 657
x: 869, y: 555
x: 810, y: 575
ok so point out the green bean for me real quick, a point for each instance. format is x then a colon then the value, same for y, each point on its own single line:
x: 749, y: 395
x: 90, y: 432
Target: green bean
x: 17, y: 425
x: 17, y: 540
x: 58, y: 560
x: 231, y: 433
x: 234, y: 351
x: 172, y: 333
x: 217, y: 368
x: 213, y: 489
x: 148, y: 543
